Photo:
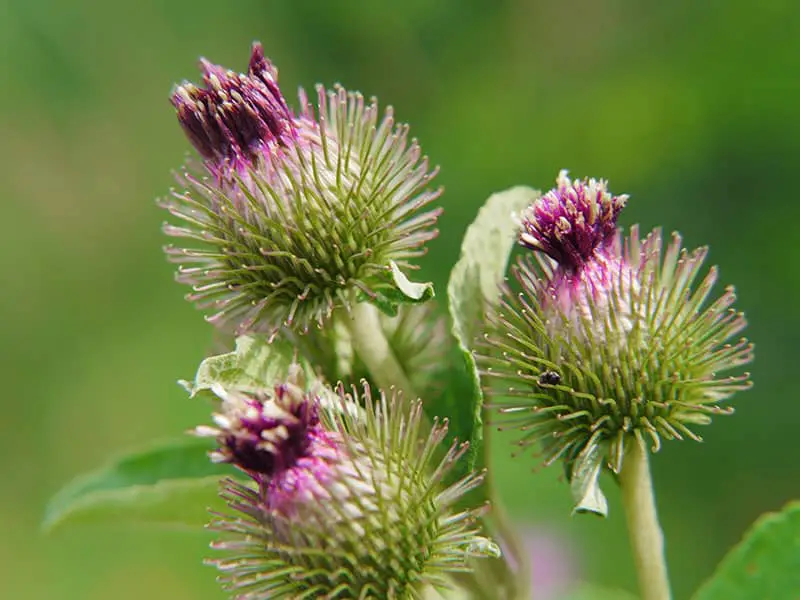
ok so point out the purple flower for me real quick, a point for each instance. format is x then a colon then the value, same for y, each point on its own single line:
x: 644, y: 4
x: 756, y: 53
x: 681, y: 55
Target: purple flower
x: 609, y: 339
x: 572, y: 222
x: 293, y: 213
x: 235, y: 118
x: 279, y: 441
x: 574, y: 228
x: 362, y: 508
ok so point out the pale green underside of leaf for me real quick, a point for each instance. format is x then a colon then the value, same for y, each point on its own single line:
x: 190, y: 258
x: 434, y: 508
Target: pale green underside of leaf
x: 765, y: 565
x: 585, y: 485
x: 169, y: 484
x: 414, y: 292
x: 474, y: 281
x: 402, y: 291
x: 254, y: 365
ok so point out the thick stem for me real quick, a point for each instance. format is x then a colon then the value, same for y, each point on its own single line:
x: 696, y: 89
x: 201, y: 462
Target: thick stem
x: 373, y: 348
x: 647, y: 540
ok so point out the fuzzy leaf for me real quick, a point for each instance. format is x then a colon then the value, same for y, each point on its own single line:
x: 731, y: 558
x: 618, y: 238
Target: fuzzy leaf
x: 473, y: 287
x: 415, y: 292
x: 170, y: 484
x: 401, y: 290
x: 254, y: 365
x: 765, y: 564
x: 585, y: 485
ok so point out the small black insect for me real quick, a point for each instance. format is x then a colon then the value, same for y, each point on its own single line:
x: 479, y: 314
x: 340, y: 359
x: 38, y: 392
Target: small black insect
x: 549, y: 378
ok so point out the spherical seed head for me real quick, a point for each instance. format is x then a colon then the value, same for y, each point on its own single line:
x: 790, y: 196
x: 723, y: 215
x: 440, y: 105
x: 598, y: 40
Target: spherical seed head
x: 572, y: 222
x: 644, y: 354
x: 381, y: 524
x: 294, y: 213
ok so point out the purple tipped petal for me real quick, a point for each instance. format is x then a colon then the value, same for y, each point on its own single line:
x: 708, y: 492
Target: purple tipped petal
x: 234, y: 116
x: 280, y: 442
x: 575, y: 224
x: 266, y: 435
x: 572, y: 221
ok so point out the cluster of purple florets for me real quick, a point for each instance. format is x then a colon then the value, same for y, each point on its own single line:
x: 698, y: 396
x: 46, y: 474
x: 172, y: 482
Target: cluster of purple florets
x: 236, y: 117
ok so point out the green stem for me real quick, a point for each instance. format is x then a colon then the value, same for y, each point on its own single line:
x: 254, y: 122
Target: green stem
x: 374, y: 350
x: 647, y: 539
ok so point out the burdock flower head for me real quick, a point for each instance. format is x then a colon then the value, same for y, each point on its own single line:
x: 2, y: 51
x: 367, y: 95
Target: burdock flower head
x: 235, y: 119
x: 277, y: 439
x: 575, y: 226
x: 293, y: 213
x: 338, y: 503
x: 608, y: 339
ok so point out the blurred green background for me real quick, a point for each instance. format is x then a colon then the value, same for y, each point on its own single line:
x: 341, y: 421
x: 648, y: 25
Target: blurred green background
x: 691, y: 107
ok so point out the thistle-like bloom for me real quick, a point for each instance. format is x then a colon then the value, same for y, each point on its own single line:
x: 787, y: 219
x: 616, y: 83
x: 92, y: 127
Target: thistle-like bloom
x: 609, y: 339
x: 235, y: 118
x: 278, y: 440
x: 573, y: 223
x: 339, y: 506
x: 293, y: 213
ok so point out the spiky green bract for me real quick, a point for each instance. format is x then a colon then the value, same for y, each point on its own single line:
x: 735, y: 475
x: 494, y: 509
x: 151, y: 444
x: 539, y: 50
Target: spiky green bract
x: 647, y: 357
x: 380, y: 524
x: 304, y: 221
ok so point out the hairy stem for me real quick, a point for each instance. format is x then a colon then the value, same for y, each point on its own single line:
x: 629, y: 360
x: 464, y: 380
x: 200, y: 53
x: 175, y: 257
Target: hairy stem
x: 374, y: 350
x: 647, y: 540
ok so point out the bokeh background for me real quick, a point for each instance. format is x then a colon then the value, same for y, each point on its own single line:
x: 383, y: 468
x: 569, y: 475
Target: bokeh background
x: 691, y: 107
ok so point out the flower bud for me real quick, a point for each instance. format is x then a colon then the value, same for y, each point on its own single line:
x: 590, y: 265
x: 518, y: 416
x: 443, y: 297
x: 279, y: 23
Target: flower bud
x: 572, y: 223
x: 608, y: 338
x: 342, y: 505
x: 574, y: 227
x: 266, y: 435
x: 235, y: 118
x: 293, y: 213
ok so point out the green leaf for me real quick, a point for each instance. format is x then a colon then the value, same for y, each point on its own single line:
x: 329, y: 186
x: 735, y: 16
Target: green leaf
x: 585, y: 485
x: 254, y: 365
x: 474, y: 287
x: 765, y: 565
x: 399, y: 290
x: 172, y: 483
x: 416, y: 292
